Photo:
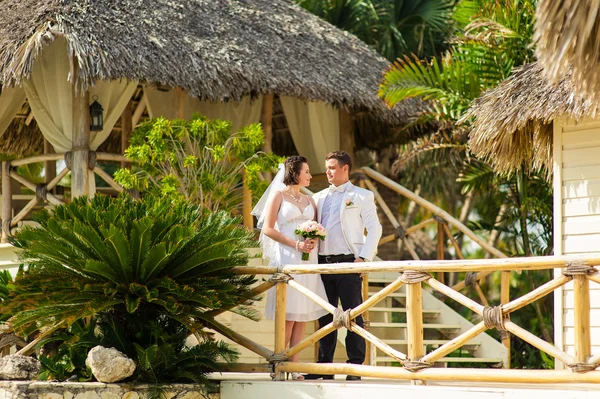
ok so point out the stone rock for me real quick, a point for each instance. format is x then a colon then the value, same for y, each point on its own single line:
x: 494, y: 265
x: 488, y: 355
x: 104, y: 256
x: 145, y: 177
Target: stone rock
x: 17, y: 367
x: 109, y: 365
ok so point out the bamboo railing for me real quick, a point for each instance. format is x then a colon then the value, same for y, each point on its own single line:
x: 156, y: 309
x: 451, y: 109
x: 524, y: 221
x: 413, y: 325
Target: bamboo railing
x: 416, y: 363
x: 43, y: 194
x: 444, y: 222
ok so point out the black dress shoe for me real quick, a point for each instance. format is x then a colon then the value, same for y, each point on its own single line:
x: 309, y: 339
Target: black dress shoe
x: 353, y: 378
x: 318, y: 376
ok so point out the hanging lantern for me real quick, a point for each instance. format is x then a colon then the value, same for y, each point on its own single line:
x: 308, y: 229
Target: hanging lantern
x: 96, y: 116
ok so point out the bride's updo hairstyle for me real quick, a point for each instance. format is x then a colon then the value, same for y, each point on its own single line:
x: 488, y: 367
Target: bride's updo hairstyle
x: 293, y: 166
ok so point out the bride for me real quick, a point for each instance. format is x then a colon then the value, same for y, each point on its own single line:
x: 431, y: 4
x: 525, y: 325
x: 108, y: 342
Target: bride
x: 280, y: 210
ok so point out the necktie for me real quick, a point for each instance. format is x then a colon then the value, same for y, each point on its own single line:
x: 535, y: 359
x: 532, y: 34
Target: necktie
x: 333, y: 189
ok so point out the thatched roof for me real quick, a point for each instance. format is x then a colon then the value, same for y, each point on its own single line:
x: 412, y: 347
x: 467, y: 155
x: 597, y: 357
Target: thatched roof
x: 216, y: 49
x: 512, y: 123
x: 567, y: 37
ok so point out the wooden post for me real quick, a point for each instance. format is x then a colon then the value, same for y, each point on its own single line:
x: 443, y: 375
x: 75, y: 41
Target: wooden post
x: 80, y: 150
x: 126, y: 129
x: 365, y: 315
x: 346, y: 132
x: 266, y: 121
x: 505, y: 298
x: 248, y: 221
x: 280, y: 308
x: 49, y: 166
x: 440, y: 248
x: 414, y: 321
x: 179, y: 103
x: 581, y: 324
x: 6, y: 200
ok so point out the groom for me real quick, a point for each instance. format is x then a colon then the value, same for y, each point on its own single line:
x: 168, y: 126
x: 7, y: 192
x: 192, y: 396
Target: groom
x: 345, y: 211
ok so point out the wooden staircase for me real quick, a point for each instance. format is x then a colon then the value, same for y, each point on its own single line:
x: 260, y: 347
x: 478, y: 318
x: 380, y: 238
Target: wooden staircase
x: 440, y: 324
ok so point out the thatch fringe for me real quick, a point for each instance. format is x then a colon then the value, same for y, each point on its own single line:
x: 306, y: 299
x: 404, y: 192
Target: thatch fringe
x: 567, y: 36
x: 215, y: 49
x: 512, y: 124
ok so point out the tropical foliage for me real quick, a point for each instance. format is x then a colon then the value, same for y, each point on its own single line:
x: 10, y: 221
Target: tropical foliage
x: 393, y: 27
x: 199, y: 161
x: 145, y: 273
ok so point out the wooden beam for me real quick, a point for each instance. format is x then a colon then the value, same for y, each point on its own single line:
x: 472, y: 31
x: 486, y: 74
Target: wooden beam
x: 49, y: 166
x: 346, y: 132
x: 280, y: 313
x: 126, y: 129
x: 266, y: 121
x: 583, y: 346
x: 6, y: 201
x: 80, y: 176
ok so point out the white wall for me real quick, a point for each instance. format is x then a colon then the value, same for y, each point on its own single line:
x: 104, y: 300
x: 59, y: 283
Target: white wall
x: 576, y: 217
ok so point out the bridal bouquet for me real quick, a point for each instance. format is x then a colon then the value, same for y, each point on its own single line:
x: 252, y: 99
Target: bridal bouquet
x: 310, y: 229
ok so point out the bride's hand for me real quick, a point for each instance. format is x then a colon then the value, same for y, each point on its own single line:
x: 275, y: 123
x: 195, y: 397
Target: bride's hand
x: 306, y: 246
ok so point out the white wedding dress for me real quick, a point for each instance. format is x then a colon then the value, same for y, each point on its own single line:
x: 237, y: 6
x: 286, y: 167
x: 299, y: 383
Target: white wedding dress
x: 298, y: 306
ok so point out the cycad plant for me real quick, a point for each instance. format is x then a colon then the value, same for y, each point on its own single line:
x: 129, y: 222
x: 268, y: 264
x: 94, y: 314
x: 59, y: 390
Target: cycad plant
x: 147, y: 272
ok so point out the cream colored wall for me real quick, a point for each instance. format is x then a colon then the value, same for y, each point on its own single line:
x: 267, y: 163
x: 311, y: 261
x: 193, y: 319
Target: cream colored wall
x: 576, y: 217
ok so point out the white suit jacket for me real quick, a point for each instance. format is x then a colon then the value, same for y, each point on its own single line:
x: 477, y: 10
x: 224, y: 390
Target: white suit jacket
x: 355, y: 218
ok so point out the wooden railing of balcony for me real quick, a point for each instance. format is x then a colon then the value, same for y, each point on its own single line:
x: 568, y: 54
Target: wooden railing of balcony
x: 416, y: 364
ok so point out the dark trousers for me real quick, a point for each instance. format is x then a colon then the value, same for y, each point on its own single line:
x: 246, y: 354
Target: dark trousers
x: 347, y: 288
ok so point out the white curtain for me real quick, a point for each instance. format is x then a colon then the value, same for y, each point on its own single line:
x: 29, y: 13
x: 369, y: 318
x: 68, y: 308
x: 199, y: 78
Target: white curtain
x: 11, y: 100
x: 315, y: 129
x: 51, y: 99
x: 240, y: 113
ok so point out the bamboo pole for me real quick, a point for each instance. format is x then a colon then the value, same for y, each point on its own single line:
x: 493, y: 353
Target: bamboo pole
x: 414, y: 321
x: 457, y: 296
x: 33, y: 187
x: 419, y: 226
x: 179, y: 103
x: 37, y: 158
x: 280, y: 312
x: 107, y: 156
x: 538, y: 342
x: 440, y: 248
x: 381, y: 202
x: 6, y: 200
x: 432, y: 208
x: 481, y: 275
x: 480, y: 294
x: 505, y: 299
x: 312, y: 296
x: 23, y: 212
x: 454, y: 242
x: 126, y: 129
x: 536, y: 294
x: 310, y: 340
x: 594, y: 359
x: 370, y: 338
x: 243, y: 368
x: 246, y: 204
x: 446, y: 374
x: 429, y: 266
x: 410, y: 249
x: 49, y: 166
x: 595, y: 277
x: 455, y: 343
x: 386, y: 239
x: 346, y: 134
x: 581, y: 290
x: 376, y: 298
x: 266, y: 121
x: 366, y: 319
x: 107, y: 178
x: 139, y: 111
x: 57, y: 179
x: 80, y: 176
x: 240, y: 339
x: 259, y: 289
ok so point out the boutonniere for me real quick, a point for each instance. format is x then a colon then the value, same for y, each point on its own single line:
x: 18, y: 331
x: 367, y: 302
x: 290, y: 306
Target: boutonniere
x: 349, y: 202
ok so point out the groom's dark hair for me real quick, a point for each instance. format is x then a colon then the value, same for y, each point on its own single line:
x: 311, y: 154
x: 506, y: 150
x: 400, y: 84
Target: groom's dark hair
x: 342, y: 157
x: 293, y: 167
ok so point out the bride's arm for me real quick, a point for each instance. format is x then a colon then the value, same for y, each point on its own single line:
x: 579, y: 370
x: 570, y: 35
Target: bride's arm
x: 269, y: 230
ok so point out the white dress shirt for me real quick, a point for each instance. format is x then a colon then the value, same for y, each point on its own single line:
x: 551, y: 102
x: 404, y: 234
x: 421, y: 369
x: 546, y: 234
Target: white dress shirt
x: 334, y: 243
